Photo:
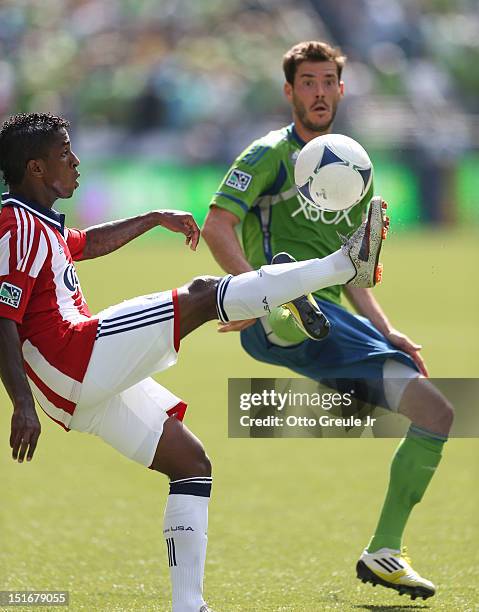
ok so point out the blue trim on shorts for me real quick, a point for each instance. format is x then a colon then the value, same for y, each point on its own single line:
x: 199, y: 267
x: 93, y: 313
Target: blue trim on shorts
x: 354, y: 348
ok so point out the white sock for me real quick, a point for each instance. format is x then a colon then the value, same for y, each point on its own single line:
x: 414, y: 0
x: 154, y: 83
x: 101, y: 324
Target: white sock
x: 185, y: 532
x: 253, y: 294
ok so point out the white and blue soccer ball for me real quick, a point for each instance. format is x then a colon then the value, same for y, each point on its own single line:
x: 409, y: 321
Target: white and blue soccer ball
x: 333, y: 172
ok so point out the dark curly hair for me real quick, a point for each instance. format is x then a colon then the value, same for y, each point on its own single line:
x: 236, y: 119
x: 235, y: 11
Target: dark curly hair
x: 311, y: 51
x: 24, y: 137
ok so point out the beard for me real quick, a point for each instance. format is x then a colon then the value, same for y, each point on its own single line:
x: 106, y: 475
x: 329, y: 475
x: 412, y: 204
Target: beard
x: 302, y: 115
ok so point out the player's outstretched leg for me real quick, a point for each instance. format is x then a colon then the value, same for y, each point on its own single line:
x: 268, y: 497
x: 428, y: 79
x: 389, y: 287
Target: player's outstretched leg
x: 412, y: 468
x: 356, y: 263
x: 181, y: 456
x: 254, y: 294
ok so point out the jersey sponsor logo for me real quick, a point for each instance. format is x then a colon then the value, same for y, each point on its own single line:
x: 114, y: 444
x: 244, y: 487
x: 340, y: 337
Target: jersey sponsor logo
x: 10, y: 295
x: 70, y: 278
x: 239, y: 180
x: 312, y: 213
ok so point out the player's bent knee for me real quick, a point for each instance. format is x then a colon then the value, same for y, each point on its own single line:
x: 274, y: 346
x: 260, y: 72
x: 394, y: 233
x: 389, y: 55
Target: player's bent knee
x: 440, y: 410
x: 179, y: 453
x: 427, y: 407
x: 204, y: 467
x: 203, y: 285
x: 446, y: 413
x: 197, y: 302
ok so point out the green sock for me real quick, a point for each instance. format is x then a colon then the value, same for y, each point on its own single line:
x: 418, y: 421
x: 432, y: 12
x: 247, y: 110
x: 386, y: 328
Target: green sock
x: 284, y: 326
x: 412, y: 468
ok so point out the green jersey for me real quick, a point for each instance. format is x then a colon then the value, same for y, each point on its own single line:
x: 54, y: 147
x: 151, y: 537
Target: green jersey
x: 259, y: 188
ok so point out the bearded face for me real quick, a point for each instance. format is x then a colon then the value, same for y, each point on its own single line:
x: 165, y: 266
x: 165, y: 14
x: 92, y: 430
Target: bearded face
x: 315, y: 96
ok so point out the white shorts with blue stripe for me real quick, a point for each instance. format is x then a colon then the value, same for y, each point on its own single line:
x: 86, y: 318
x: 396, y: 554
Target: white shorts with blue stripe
x: 118, y: 401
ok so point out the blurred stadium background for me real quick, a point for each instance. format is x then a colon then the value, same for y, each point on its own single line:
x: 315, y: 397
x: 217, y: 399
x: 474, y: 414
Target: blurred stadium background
x: 162, y: 96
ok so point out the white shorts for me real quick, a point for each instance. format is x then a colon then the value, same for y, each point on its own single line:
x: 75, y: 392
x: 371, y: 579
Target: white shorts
x: 131, y: 421
x: 118, y: 401
x: 134, y: 340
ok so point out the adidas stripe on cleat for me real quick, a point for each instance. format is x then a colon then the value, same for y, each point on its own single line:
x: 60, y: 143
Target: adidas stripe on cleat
x: 364, y: 246
x: 306, y: 313
x: 392, y: 569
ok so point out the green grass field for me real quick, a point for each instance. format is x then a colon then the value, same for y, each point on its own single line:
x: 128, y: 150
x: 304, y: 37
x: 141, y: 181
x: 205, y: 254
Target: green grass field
x: 288, y: 518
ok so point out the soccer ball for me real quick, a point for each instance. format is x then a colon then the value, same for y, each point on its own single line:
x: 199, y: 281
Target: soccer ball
x: 333, y: 172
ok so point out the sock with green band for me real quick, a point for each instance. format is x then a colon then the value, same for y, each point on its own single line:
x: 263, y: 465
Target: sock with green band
x: 412, y: 468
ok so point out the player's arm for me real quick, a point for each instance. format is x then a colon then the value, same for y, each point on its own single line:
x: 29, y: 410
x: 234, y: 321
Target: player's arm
x: 366, y: 305
x: 220, y: 235
x: 108, y: 237
x: 25, y: 427
x: 252, y: 173
x: 240, y: 188
x: 219, y: 232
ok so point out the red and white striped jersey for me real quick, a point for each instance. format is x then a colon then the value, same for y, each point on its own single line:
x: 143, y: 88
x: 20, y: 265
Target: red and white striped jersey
x: 40, y: 291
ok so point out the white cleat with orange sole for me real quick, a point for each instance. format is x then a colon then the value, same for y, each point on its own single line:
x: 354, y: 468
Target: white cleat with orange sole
x: 364, y: 245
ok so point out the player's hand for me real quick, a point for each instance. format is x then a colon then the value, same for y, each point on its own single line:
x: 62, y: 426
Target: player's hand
x: 235, y: 325
x: 25, y: 431
x: 401, y: 341
x: 183, y: 222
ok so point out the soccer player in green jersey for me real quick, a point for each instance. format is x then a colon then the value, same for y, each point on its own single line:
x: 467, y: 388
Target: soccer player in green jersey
x: 258, y: 191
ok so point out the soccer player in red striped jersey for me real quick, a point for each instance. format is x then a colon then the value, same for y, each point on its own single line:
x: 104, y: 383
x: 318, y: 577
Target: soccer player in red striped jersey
x: 92, y: 373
